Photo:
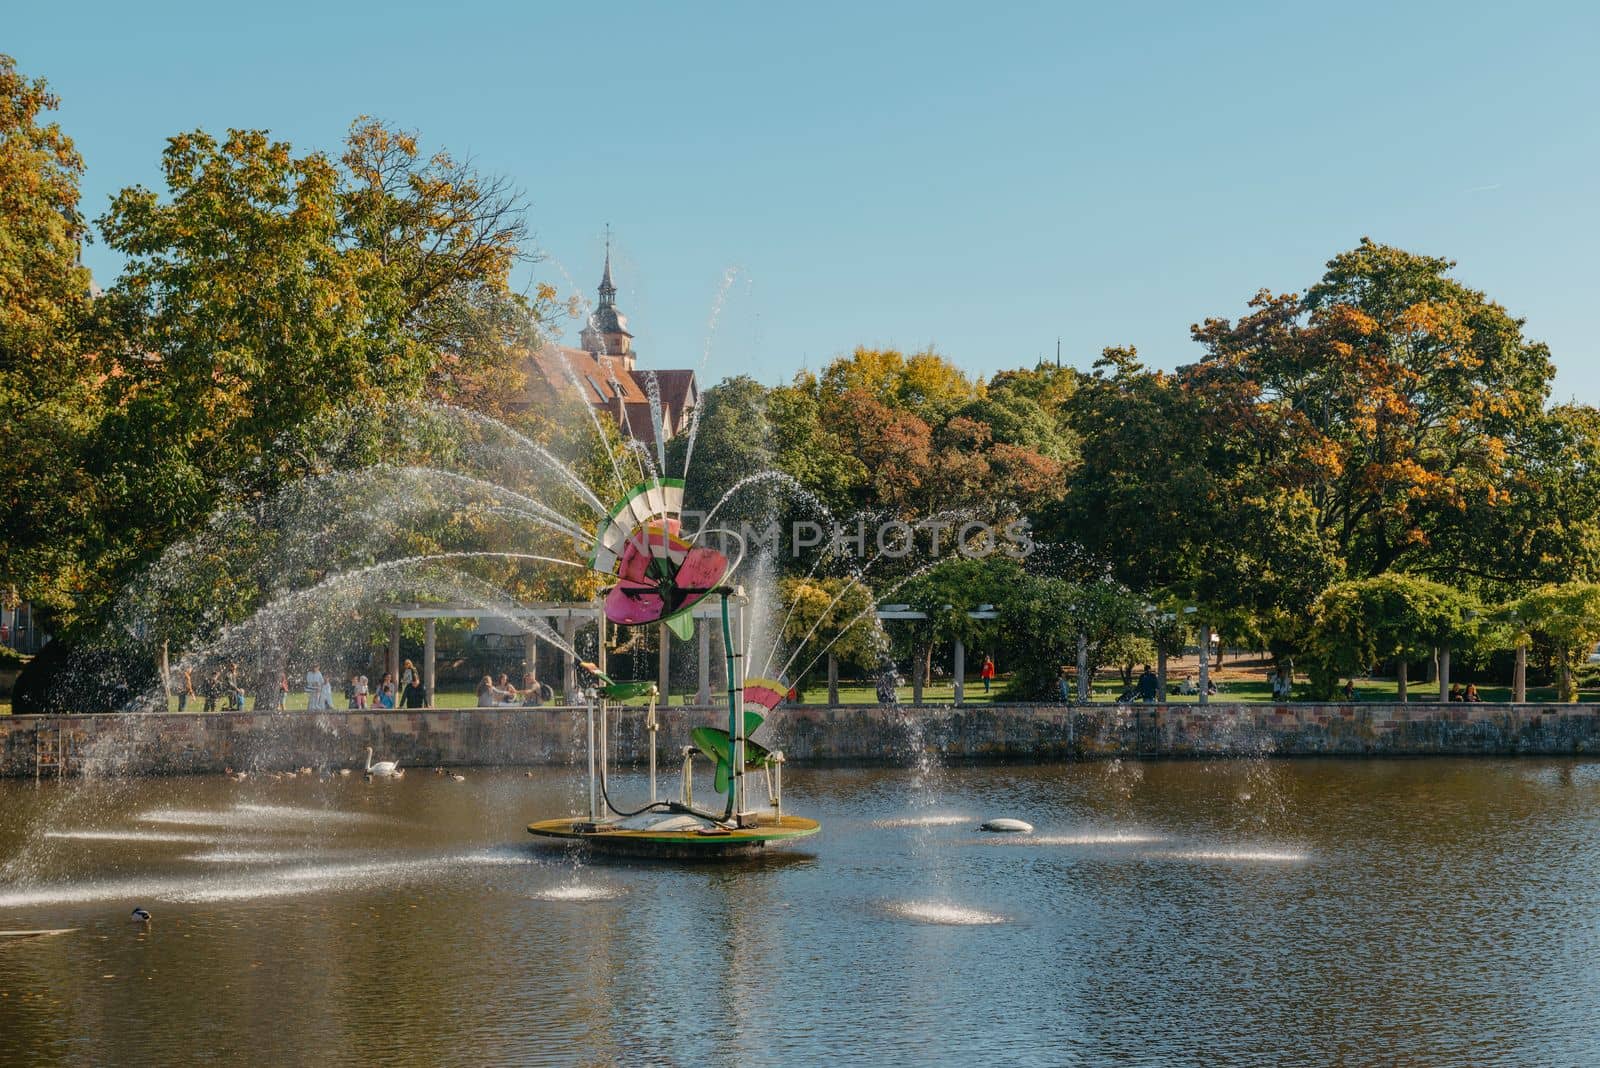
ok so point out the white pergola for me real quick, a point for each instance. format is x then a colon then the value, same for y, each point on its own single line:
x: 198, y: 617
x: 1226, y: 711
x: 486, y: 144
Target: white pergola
x: 959, y: 672
x: 568, y: 618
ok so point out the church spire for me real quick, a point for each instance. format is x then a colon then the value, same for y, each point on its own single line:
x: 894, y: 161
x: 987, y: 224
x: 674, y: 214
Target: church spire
x: 607, y: 330
x: 608, y: 291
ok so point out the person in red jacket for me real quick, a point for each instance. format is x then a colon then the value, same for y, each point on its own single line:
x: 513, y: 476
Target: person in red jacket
x: 987, y: 672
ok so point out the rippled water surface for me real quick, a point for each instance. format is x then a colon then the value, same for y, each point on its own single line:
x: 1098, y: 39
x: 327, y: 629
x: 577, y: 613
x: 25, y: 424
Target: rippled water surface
x: 1430, y: 911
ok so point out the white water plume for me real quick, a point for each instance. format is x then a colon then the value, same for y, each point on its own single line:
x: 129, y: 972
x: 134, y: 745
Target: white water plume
x: 941, y: 912
x: 577, y: 892
x: 1261, y: 856
x: 1086, y: 839
x: 935, y: 820
x: 95, y: 835
x: 712, y: 320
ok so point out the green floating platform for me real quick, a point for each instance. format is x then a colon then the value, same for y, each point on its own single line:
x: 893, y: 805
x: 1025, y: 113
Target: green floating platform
x: 670, y: 842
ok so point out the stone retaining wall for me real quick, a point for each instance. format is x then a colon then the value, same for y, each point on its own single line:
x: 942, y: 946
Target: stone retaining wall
x: 160, y: 744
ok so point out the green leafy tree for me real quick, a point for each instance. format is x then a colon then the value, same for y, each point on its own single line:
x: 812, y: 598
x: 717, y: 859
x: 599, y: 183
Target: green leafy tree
x: 1566, y: 616
x: 730, y: 445
x: 1042, y: 618
x: 831, y: 615
x: 817, y: 456
x: 273, y: 307
x: 948, y: 592
x: 1358, y: 623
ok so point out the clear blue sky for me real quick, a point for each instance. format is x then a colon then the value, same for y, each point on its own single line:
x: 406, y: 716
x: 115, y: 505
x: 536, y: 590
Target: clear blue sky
x: 980, y: 177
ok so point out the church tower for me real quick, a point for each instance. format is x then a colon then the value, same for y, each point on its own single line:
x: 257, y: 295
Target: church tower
x: 607, y: 332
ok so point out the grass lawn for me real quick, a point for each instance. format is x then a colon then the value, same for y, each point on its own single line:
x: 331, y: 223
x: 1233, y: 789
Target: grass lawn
x: 942, y: 692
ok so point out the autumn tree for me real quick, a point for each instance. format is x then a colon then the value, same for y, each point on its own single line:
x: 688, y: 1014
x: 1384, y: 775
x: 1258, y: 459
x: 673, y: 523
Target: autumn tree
x: 1545, y: 527
x: 1387, y: 393
x: 48, y: 388
x: 825, y: 616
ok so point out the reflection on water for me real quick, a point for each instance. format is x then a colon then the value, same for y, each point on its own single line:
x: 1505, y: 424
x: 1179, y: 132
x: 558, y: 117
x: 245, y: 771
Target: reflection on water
x: 1258, y: 913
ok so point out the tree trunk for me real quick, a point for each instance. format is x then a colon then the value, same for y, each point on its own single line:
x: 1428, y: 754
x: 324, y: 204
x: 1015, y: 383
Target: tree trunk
x: 1444, y: 674
x: 833, y: 681
x: 1400, y: 679
x: 1083, y: 668
x: 1519, y: 676
x: 1161, y: 676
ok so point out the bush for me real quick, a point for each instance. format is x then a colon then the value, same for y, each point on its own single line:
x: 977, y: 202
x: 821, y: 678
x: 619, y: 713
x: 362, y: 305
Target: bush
x: 66, y: 679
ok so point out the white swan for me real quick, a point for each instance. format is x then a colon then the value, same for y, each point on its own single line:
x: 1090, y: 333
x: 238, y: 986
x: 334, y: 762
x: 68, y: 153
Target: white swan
x: 382, y: 768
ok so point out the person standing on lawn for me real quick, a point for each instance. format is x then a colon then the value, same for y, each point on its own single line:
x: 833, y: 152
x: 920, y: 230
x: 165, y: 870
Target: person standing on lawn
x: 986, y: 673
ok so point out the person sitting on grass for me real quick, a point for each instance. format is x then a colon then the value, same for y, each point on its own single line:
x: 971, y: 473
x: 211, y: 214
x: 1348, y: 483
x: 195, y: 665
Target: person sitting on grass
x: 1472, y: 697
x: 1148, y: 685
x: 1455, y: 692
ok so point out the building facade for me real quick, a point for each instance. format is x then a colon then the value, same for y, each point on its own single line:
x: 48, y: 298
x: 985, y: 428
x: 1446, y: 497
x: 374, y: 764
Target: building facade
x: 605, y: 372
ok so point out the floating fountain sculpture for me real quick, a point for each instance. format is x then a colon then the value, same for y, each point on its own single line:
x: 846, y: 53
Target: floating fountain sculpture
x: 661, y: 577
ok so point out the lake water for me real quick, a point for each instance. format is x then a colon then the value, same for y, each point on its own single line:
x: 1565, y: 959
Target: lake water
x: 1254, y: 912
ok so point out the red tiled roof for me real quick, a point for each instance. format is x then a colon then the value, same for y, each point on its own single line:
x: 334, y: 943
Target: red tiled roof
x: 605, y: 382
x: 601, y: 379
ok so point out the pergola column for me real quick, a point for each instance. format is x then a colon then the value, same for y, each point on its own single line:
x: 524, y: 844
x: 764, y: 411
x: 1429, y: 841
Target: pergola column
x: 833, y: 681
x: 664, y: 664
x: 429, y: 657
x: 569, y: 663
x: 960, y: 673
x: 1161, y: 675
x: 1205, y: 664
x: 1444, y: 674
x: 1519, y: 675
x: 394, y: 654
x: 702, y: 657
